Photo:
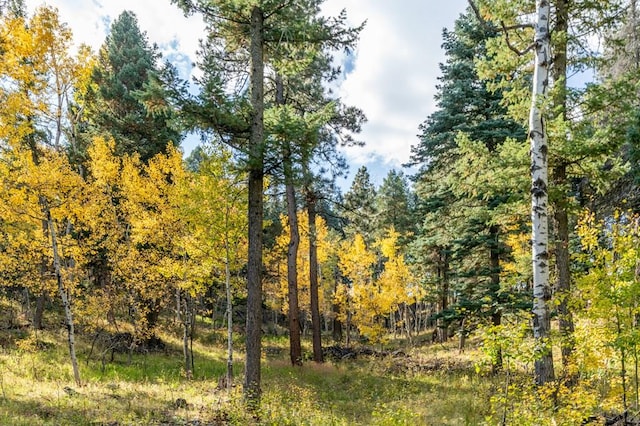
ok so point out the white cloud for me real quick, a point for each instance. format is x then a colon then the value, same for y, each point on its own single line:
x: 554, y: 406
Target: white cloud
x: 395, y: 71
x: 163, y: 22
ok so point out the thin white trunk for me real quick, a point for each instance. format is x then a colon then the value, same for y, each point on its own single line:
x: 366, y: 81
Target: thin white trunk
x: 539, y: 216
x: 63, y: 293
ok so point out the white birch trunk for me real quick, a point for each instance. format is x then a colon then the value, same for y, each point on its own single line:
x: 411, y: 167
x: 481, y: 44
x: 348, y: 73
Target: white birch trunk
x: 539, y: 205
x: 63, y: 293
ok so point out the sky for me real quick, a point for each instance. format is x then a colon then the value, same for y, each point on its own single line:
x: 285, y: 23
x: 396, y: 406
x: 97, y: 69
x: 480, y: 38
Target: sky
x: 392, y: 76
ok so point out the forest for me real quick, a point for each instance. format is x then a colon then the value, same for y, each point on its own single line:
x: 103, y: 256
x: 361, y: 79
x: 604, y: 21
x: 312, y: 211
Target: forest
x: 494, y: 280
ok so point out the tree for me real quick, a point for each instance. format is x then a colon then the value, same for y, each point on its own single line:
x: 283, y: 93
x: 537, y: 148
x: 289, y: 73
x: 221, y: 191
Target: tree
x: 39, y: 74
x: 610, y: 284
x: 360, y: 303
x: 127, y: 66
x: 244, y: 32
x: 539, y: 218
x: 359, y: 206
x: 579, y: 148
x: 467, y: 153
x: 212, y: 206
x: 394, y: 205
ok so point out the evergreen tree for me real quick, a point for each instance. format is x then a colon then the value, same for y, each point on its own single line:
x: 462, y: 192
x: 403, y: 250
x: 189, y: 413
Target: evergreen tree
x: 359, y: 207
x: 394, y: 205
x: 244, y: 35
x: 461, y: 236
x: 465, y: 103
x: 127, y: 66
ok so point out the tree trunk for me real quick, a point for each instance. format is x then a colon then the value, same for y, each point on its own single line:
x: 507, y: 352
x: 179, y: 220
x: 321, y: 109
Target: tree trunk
x: 313, y: 280
x: 295, y: 349
x: 227, y: 285
x: 337, y: 324
x: 443, y: 334
x: 186, y: 329
x: 561, y: 218
x: 563, y: 283
x: 539, y: 170
x: 348, y: 324
x: 407, y: 322
x: 634, y: 31
x: 68, y: 314
x: 37, y: 316
x: 255, y: 213
x: 496, y: 315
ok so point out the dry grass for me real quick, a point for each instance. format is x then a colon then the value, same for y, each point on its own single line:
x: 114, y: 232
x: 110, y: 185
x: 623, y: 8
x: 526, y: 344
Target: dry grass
x: 428, y: 387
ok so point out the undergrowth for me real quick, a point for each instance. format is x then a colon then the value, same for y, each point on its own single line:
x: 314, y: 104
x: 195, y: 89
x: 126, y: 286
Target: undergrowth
x: 37, y: 387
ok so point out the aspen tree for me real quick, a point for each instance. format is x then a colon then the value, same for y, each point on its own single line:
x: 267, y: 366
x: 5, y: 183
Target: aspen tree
x: 539, y: 208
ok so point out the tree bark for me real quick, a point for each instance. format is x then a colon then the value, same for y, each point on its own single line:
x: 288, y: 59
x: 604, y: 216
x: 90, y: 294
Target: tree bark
x: 186, y: 333
x: 496, y: 315
x: 539, y: 205
x: 295, y: 348
x: 251, y: 386
x: 39, y: 312
x: 561, y: 217
x: 336, y: 332
x: 68, y: 314
x: 563, y: 283
x: 441, y: 325
x: 227, y: 285
x: 313, y: 279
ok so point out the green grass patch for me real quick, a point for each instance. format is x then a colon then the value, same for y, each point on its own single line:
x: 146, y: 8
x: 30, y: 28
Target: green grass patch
x: 37, y: 387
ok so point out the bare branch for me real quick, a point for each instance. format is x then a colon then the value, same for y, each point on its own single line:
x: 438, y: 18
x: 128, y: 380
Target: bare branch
x: 517, y: 26
x: 512, y: 47
x: 476, y: 11
x: 504, y: 28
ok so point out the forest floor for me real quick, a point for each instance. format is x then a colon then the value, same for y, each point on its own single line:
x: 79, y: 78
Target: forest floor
x: 420, y: 384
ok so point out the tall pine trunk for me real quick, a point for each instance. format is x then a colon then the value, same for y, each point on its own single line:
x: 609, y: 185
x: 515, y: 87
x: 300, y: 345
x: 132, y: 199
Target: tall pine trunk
x: 539, y: 205
x: 255, y: 213
x: 561, y: 216
x: 313, y: 279
x: 295, y: 347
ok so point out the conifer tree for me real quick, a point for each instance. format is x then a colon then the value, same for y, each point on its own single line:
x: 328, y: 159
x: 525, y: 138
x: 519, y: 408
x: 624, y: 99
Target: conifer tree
x: 244, y: 33
x: 127, y: 66
x: 394, y: 205
x: 359, y: 208
x: 468, y: 244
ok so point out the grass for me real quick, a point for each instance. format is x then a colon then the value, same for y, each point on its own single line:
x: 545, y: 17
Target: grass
x: 36, y: 387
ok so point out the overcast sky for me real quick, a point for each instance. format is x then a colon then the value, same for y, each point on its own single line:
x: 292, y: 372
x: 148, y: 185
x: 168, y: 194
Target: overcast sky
x: 392, y: 80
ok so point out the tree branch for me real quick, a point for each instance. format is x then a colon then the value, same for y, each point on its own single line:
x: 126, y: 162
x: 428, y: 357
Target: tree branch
x: 512, y: 47
x: 504, y: 28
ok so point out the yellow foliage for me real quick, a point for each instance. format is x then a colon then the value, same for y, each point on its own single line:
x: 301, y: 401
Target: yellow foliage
x: 277, y: 288
x: 371, y: 299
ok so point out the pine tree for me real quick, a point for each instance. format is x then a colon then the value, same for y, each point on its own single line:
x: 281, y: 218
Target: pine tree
x: 359, y: 208
x: 458, y: 153
x: 127, y: 66
x: 244, y: 34
x: 394, y: 205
